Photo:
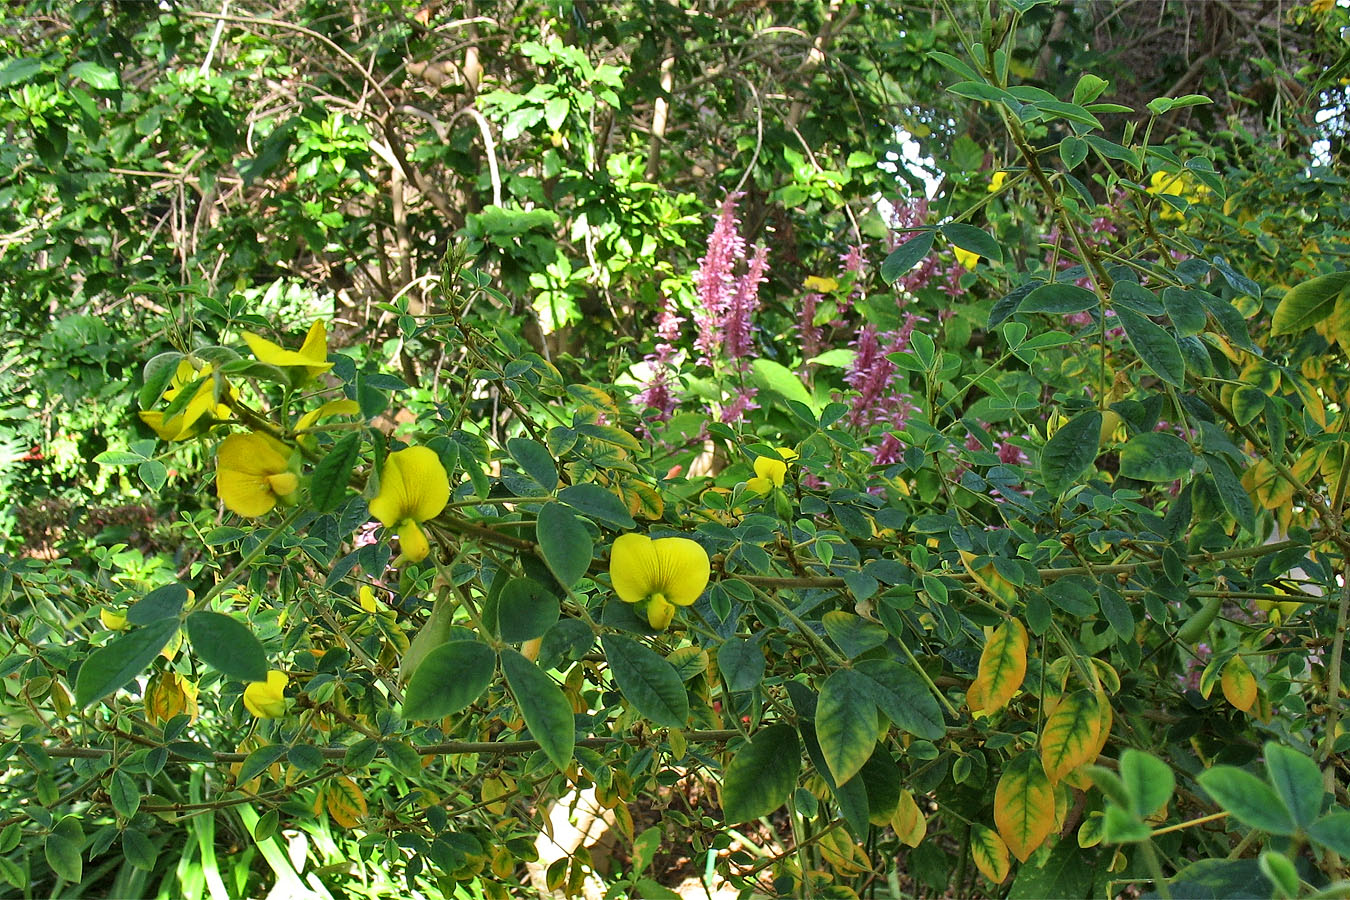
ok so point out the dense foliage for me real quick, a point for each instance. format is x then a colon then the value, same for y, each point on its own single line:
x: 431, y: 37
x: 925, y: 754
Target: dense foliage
x: 849, y: 450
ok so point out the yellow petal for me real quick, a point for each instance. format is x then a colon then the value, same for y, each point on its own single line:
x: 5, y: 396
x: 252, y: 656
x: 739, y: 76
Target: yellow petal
x: 308, y: 357
x: 331, y: 408
x: 267, y: 699
x: 997, y: 181
x: 283, y: 484
x: 412, y: 541
x: 787, y: 453
x: 659, y: 613
x: 367, y: 597
x: 759, y: 485
x: 772, y: 469
x: 246, y: 467
x: 819, y: 283
x: 633, y: 567
x: 413, y: 485
x: 684, y: 569
x: 171, y: 430
x: 966, y: 258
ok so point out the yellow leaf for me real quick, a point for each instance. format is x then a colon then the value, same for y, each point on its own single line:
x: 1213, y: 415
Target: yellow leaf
x: 493, y: 789
x: 908, y: 821
x: 989, y: 852
x: 1003, y: 665
x: 844, y: 856
x: 1069, y: 737
x: 345, y: 802
x: 1024, y: 805
x: 1239, y: 685
x: 987, y: 577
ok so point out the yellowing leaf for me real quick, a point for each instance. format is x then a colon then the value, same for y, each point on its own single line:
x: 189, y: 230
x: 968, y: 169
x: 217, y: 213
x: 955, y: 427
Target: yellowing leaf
x: 987, y: 577
x: 1069, y: 737
x: 989, y: 852
x: 844, y: 856
x: 1003, y: 665
x: 345, y: 802
x: 1024, y: 805
x: 642, y: 500
x: 1239, y: 685
x: 1266, y: 485
x: 908, y: 822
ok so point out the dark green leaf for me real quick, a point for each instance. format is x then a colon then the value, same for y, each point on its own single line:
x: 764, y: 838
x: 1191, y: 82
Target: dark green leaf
x: 161, y: 603
x: 227, y: 645
x: 972, y: 239
x: 906, y: 256
x: 546, y: 710
x: 157, y: 374
x: 853, y: 634
x: 1058, y: 298
x: 258, y: 761
x: 63, y: 855
x: 525, y: 610
x: 328, y: 484
x: 649, y: 682
x: 1184, y: 309
x: 1137, y: 297
x: 1071, y: 451
x: 564, y: 543
x: 534, y: 460
x: 1072, y: 150
x: 1232, y: 494
x: 598, y: 503
x: 761, y: 774
x: 449, y: 678
x: 741, y: 663
x: 139, y: 850
x: 22, y: 68
x: 902, y: 697
x: 121, y: 659
x: 124, y: 793
x: 1148, y: 782
x: 94, y: 75
x: 1156, y: 456
x: 1155, y: 346
x: 1333, y: 831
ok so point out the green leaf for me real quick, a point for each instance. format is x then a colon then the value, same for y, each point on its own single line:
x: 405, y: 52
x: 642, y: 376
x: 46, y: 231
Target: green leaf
x: 564, y: 543
x: 906, y: 256
x: 449, y: 678
x: 544, y: 706
x: 1148, y: 781
x: 1071, y: 451
x: 1119, y: 826
x: 1088, y: 88
x: 1185, y: 310
x: 1280, y: 870
x: 534, y: 460
x: 902, y: 697
x: 979, y: 90
x: 161, y: 603
x: 139, y: 850
x: 598, y: 503
x: 741, y: 663
x: 1058, y: 298
x: 776, y: 377
x: 124, y: 793
x: 761, y: 774
x: 63, y: 855
x: 1111, y: 150
x: 328, y: 484
x: 975, y: 240
x: 1156, y: 456
x: 1231, y: 493
x: 846, y: 722
x: 1297, y: 780
x: 227, y: 645
x: 20, y: 69
x: 1307, y: 303
x: 257, y: 762
x: 852, y: 633
x: 121, y: 659
x: 1249, y: 799
x: 525, y: 610
x: 649, y: 682
x: 1135, y: 296
x: 118, y: 458
x: 94, y: 75
x: 955, y: 64
x: 1333, y: 831
x: 1157, y: 348
x: 1073, y: 150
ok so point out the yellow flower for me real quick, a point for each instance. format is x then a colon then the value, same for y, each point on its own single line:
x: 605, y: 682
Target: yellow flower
x: 662, y: 573
x: 113, y: 619
x: 1320, y: 7
x: 817, y: 283
x: 253, y: 471
x: 414, y: 487
x: 367, y: 598
x: 187, y: 421
x: 267, y: 699
x: 312, y: 355
x: 997, y: 181
x: 966, y: 258
x: 1176, y: 185
x: 770, y: 472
